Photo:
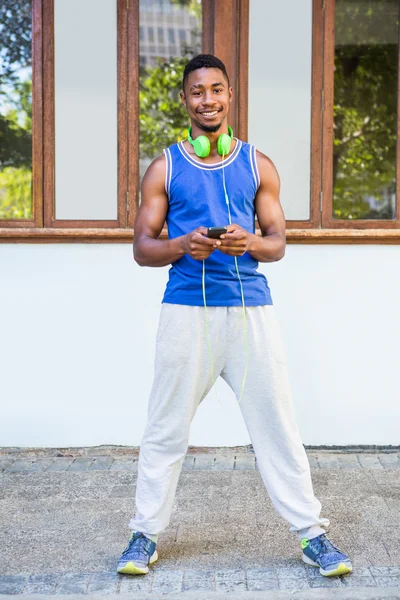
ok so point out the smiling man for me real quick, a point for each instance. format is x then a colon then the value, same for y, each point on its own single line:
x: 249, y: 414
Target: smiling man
x: 217, y: 319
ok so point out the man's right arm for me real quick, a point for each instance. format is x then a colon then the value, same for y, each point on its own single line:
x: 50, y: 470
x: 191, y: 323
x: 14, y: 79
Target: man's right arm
x: 149, y: 251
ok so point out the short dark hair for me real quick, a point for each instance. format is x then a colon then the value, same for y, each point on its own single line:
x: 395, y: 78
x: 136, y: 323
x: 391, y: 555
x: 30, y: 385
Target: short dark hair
x: 203, y: 61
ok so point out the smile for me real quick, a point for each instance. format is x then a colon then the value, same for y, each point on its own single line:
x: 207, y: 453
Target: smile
x: 210, y: 113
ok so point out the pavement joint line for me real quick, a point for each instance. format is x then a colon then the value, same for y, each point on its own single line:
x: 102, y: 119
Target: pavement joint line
x: 167, y: 581
x: 198, y: 462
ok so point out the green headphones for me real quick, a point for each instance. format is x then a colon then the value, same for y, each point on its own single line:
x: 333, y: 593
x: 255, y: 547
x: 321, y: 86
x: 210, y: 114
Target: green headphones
x: 202, y: 147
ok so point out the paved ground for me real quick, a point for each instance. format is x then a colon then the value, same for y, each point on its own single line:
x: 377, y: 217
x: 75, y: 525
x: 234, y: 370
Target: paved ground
x: 64, y: 515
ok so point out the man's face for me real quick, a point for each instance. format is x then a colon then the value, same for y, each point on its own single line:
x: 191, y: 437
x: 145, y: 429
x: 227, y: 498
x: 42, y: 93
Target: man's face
x: 207, y: 98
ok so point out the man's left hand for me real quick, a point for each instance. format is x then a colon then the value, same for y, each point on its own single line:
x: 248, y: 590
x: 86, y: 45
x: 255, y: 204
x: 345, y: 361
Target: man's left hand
x: 235, y: 242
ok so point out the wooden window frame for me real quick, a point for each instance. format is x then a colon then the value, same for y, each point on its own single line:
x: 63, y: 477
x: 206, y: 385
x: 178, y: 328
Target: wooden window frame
x: 50, y: 220
x: 37, y: 131
x: 327, y: 221
x: 225, y: 34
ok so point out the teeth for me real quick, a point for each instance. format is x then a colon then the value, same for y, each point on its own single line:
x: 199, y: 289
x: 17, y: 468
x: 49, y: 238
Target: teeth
x: 210, y: 114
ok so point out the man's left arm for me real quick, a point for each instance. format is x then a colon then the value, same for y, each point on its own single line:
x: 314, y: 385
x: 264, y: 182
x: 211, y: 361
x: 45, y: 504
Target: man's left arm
x: 271, y: 246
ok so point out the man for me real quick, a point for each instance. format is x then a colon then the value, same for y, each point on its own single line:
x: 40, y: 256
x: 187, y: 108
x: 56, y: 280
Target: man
x: 217, y: 309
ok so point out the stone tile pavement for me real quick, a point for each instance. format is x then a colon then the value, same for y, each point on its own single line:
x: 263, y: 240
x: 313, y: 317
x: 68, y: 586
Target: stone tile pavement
x: 64, y: 515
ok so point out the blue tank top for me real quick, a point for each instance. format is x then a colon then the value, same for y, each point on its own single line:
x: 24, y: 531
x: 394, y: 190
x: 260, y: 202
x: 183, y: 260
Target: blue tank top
x: 196, y: 198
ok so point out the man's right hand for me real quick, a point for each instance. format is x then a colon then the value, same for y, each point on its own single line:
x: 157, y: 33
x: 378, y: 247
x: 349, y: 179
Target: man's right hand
x: 197, y: 245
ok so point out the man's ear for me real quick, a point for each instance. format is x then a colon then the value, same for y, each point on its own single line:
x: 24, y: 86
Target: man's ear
x: 230, y: 91
x: 183, y: 98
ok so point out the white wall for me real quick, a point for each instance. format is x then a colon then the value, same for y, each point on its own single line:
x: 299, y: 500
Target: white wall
x: 77, y: 334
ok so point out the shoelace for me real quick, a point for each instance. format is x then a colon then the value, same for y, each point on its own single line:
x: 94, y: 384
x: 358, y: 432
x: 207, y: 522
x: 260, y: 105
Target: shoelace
x: 142, y: 545
x: 323, y: 543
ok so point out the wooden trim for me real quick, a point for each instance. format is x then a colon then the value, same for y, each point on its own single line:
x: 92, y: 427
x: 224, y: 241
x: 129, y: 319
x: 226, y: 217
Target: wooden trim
x: 37, y: 112
x: 122, y: 111
x: 96, y: 235
x: 133, y: 52
x: 224, y: 16
x: 49, y: 126
x: 398, y: 128
x: 316, y: 113
x: 207, y: 7
x: 299, y: 225
x: 225, y: 28
x: 53, y: 235
x: 48, y: 111
x: 37, y: 125
x: 17, y: 223
x: 327, y: 144
x: 328, y: 222
x: 353, y: 224
x: 74, y: 224
x: 242, y: 83
x: 343, y: 236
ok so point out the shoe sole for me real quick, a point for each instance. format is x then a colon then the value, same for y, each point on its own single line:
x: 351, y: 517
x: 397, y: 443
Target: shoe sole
x: 341, y: 569
x: 131, y: 569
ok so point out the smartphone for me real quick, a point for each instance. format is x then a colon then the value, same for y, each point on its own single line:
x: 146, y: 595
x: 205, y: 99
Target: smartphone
x: 215, y: 232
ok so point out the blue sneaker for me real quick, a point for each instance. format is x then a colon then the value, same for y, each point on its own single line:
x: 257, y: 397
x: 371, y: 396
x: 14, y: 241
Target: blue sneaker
x: 139, y: 553
x: 320, y: 552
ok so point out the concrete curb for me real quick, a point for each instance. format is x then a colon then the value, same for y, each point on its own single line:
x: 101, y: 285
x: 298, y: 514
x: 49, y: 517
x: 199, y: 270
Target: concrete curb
x: 318, y: 594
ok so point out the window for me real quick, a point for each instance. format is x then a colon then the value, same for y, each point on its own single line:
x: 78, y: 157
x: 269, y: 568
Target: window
x: 280, y: 95
x: 361, y: 120
x: 171, y: 36
x: 182, y: 36
x: 160, y: 35
x: 323, y: 103
x: 83, y: 119
x: 86, y: 112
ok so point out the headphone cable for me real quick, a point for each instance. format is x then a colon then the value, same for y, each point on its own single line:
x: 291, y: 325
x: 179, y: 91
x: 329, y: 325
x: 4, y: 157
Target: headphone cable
x: 246, y: 345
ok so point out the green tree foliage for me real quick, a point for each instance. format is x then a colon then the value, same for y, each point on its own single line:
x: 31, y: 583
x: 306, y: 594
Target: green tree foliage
x: 15, y: 193
x: 16, y: 111
x: 16, y: 37
x: 193, y: 6
x: 16, y: 153
x: 163, y: 120
x: 365, y: 108
x: 16, y: 126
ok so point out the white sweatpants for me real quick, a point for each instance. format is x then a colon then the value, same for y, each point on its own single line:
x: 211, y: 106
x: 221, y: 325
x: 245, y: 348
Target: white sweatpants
x: 182, y: 380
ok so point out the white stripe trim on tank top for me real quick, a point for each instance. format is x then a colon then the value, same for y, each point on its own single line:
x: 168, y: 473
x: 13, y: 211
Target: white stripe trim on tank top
x: 168, y: 170
x: 214, y: 166
x: 254, y: 166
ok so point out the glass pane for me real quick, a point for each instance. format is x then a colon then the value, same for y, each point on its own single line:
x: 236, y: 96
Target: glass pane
x: 16, y: 109
x: 280, y: 40
x: 365, y: 109
x: 163, y: 120
x: 85, y: 54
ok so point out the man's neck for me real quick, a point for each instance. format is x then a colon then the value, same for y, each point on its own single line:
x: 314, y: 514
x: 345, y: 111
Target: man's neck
x: 212, y: 136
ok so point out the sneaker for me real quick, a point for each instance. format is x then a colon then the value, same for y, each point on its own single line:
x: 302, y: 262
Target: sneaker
x: 139, y: 553
x: 320, y: 552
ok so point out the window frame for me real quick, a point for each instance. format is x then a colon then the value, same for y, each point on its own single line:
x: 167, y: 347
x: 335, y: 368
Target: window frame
x: 50, y: 220
x: 327, y: 220
x: 225, y: 32
x: 37, y: 128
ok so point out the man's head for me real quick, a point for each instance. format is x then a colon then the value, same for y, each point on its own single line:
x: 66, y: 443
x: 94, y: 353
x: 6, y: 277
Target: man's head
x: 203, y: 61
x: 206, y: 92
